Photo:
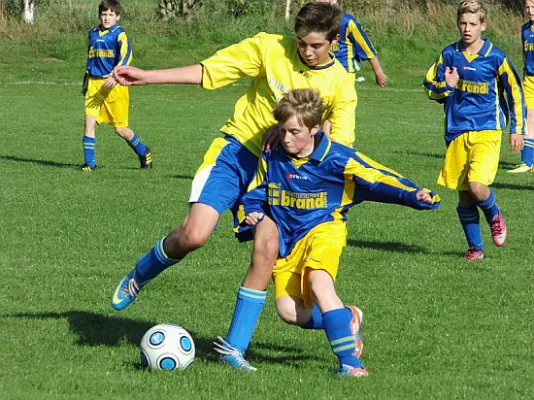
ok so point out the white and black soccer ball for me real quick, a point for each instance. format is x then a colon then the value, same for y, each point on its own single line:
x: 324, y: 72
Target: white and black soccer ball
x: 167, y: 347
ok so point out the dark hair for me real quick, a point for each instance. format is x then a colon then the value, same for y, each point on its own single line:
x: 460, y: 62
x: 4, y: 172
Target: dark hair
x: 113, y: 5
x: 318, y: 17
x: 305, y: 104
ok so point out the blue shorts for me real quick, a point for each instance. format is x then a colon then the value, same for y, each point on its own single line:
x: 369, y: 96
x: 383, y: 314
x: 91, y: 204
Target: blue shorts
x: 224, y: 175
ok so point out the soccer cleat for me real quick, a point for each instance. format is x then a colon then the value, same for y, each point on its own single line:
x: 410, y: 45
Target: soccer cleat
x: 146, y: 160
x: 473, y: 254
x: 232, y: 356
x: 126, y: 292
x: 347, y: 370
x: 355, y: 323
x: 499, y: 232
x: 87, y: 167
x: 521, y: 168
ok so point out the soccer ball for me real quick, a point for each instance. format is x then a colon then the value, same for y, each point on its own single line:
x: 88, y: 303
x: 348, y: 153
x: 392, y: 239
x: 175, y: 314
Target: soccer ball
x: 167, y: 347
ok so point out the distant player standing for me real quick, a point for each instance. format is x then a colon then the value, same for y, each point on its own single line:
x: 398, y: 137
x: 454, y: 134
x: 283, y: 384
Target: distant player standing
x: 276, y: 64
x: 307, y: 186
x: 105, y: 101
x: 469, y: 78
x: 527, y: 40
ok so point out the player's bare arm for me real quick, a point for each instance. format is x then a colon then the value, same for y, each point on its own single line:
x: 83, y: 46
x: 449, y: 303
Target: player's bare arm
x: 271, y: 138
x: 128, y: 76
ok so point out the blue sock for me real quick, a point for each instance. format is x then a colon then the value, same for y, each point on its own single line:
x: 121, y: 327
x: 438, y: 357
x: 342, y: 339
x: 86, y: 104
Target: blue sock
x: 527, y: 154
x: 247, y: 311
x: 489, y: 207
x: 137, y: 145
x: 470, y: 220
x: 89, y: 144
x: 153, y: 263
x: 316, y: 320
x: 337, y: 329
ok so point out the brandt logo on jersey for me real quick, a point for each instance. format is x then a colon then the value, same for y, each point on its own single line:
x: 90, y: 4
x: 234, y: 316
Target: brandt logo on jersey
x: 293, y: 176
x: 469, y: 68
x: 301, y: 201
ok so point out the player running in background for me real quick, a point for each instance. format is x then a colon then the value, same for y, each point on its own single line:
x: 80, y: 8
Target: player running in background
x: 276, y: 64
x: 527, y: 40
x: 105, y: 101
x: 469, y: 78
x: 307, y: 186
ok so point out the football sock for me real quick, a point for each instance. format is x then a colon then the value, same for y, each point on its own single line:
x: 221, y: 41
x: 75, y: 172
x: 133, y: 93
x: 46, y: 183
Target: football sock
x: 137, y: 145
x: 316, y: 320
x: 527, y: 154
x: 247, y: 311
x: 337, y: 329
x: 470, y: 220
x: 489, y: 207
x: 153, y: 263
x: 89, y: 144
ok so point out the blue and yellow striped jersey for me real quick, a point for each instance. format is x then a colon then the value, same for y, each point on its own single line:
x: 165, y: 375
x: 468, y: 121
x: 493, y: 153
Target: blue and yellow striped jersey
x: 276, y: 67
x: 527, y: 37
x: 354, y: 45
x: 477, y: 102
x: 107, y: 49
x: 300, y: 194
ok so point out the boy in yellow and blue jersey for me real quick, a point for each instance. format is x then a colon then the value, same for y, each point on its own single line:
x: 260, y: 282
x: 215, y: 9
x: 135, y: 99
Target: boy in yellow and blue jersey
x: 276, y: 64
x: 307, y: 186
x: 105, y: 101
x: 527, y: 39
x: 354, y: 46
x: 470, y: 78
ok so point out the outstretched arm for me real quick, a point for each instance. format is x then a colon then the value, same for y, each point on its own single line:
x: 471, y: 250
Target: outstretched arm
x: 380, y: 77
x: 128, y: 76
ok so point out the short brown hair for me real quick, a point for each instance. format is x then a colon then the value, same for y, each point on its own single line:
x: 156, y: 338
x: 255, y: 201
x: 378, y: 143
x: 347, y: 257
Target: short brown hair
x: 305, y: 104
x: 471, y: 7
x: 320, y: 18
x: 113, y: 5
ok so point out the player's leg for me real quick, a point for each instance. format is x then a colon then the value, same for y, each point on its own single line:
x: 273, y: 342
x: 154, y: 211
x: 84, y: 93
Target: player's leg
x: 470, y: 220
x: 527, y: 153
x: 89, y: 144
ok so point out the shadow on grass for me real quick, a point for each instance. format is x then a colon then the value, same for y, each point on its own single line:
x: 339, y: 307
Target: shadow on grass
x: 395, y: 247
x: 512, y: 186
x: 45, y: 163
x: 103, y: 330
x: 185, y: 177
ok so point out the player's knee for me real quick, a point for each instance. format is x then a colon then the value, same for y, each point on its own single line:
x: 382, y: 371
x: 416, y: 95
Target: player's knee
x: 267, y: 249
x: 286, y: 313
x: 193, y: 236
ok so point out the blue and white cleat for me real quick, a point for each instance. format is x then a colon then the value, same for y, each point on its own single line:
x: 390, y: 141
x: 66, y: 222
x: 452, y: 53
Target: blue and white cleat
x: 232, y: 356
x: 126, y: 292
x: 354, y: 372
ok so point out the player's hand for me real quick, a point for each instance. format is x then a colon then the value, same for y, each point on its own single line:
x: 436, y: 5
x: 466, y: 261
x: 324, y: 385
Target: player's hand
x: 253, y: 218
x: 516, y: 142
x: 127, y: 75
x: 381, y: 79
x: 451, y: 76
x: 110, y: 83
x: 271, y: 138
x: 424, y: 196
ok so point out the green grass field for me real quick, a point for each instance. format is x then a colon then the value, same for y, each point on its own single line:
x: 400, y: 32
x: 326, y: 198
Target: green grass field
x: 435, y: 326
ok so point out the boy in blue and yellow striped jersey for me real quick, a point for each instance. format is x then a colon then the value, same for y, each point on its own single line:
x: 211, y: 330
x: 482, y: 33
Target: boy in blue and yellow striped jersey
x: 105, y: 101
x: 307, y: 186
x: 354, y: 46
x: 470, y: 78
x: 527, y: 39
x: 276, y: 64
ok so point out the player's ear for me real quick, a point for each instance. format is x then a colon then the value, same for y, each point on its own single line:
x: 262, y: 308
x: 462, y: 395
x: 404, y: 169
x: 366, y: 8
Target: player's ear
x: 314, y: 130
x: 334, y: 40
x: 118, y: 17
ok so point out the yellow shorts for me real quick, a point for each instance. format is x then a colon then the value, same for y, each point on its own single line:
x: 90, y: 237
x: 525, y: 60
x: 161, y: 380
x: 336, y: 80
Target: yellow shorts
x: 471, y: 157
x: 528, y: 90
x: 319, y: 249
x: 108, y: 106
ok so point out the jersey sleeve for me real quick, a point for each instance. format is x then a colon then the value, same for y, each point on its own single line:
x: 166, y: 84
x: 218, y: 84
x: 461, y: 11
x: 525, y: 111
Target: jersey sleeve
x: 124, y: 49
x: 342, y: 115
x: 434, y: 83
x: 232, y: 63
x: 362, y: 47
x: 510, y: 81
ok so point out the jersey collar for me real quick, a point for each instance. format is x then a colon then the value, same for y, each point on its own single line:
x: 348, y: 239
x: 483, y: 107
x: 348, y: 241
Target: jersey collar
x: 319, y: 67
x: 322, y: 148
x: 484, y: 50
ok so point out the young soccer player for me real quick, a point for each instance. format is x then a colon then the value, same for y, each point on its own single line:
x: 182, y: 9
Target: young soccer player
x: 354, y: 46
x: 105, y: 101
x: 527, y: 39
x: 307, y: 186
x: 276, y: 64
x: 469, y: 78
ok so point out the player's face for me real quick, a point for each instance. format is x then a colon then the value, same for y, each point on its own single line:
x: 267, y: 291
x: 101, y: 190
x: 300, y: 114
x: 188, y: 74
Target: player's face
x: 108, y: 18
x: 529, y: 10
x: 297, y: 140
x: 471, y: 28
x: 314, y: 48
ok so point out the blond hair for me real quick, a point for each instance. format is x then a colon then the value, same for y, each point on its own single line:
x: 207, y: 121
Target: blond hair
x: 305, y: 104
x: 471, y: 7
